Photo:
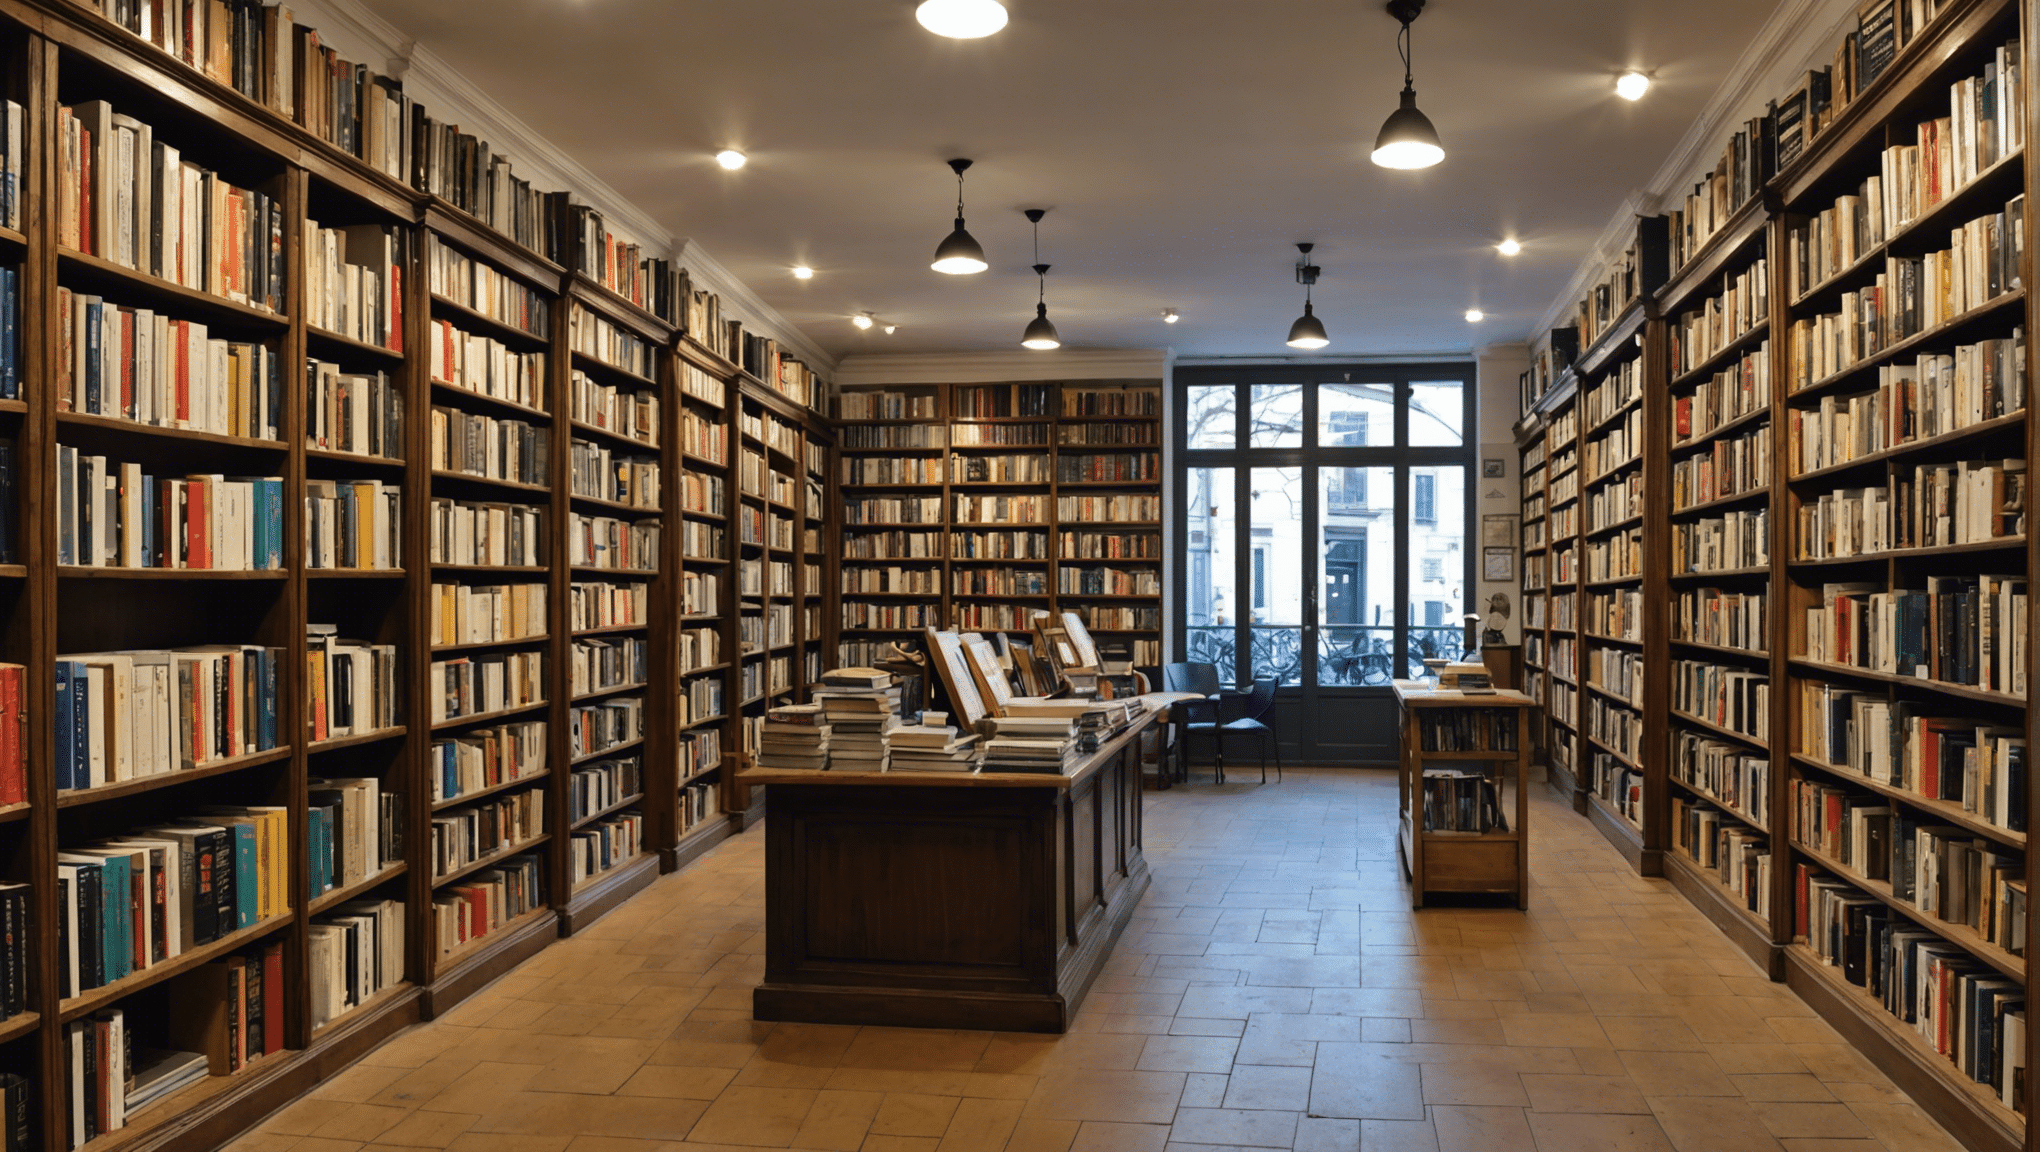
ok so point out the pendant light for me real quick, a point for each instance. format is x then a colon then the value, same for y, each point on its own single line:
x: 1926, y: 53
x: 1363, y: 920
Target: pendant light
x: 959, y: 254
x: 1407, y: 138
x: 961, y: 19
x: 1308, y: 331
x: 1040, y: 334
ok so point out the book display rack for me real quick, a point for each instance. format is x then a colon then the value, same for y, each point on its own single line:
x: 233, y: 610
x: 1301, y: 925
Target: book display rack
x: 973, y: 505
x: 1832, y: 634
x: 369, y: 553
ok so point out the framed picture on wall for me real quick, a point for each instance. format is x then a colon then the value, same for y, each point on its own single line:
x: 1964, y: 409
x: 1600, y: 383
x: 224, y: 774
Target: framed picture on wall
x: 1498, y: 530
x: 1493, y: 468
x: 1498, y: 564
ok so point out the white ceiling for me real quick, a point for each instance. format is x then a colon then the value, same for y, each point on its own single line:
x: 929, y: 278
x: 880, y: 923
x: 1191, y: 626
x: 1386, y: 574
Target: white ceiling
x: 1182, y: 147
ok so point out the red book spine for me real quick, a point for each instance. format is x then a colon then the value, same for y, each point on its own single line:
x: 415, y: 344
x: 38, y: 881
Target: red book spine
x: 272, y: 999
x: 13, y: 776
x: 127, y: 363
x: 197, y: 497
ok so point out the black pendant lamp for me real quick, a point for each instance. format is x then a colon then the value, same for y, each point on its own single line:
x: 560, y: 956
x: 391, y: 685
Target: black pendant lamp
x: 1308, y: 332
x: 1407, y: 139
x: 1040, y: 335
x: 959, y: 254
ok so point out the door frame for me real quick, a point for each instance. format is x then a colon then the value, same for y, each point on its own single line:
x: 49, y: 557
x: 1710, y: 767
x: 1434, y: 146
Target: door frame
x: 1309, y: 705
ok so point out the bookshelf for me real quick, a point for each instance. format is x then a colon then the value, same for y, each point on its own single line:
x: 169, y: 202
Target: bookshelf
x: 1821, y: 497
x: 446, y: 438
x: 973, y: 505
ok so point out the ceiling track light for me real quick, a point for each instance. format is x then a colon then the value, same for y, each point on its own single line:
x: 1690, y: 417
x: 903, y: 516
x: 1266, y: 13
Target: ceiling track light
x: 863, y: 321
x: 803, y: 272
x: 1509, y: 247
x: 731, y: 159
x: 1040, y: 335
x: 1170, y: 315
x: 1308, y: 332
x: 1631, y: 85
x: 961, y: 19
x: 1407, y: 138
x: 959, y: 254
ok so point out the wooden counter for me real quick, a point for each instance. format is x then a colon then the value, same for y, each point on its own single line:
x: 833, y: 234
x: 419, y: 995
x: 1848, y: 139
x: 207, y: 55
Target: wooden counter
x: 948, y: 900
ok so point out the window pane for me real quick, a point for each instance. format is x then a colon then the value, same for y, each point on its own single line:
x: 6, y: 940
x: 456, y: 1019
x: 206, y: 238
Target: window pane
x: 1356, y: 546
x: 1356, y: 415
x: 1437, y: 411
x: 1212, y: 415
x: 1277, y: 416
x: 1208, y: 603
x: 1277, y: 538
x: 1437, y: 565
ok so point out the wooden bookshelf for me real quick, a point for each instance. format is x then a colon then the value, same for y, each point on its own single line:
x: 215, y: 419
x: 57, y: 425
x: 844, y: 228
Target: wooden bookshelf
x: 69, y: 54
x: 1731, y: 431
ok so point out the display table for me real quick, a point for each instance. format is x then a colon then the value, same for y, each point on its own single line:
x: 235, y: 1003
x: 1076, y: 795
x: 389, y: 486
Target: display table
x: 947, y: 900
x: 1468, y: 754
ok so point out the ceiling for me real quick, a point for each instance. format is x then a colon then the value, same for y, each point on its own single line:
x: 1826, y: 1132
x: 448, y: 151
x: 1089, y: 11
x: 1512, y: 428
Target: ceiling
x: 1182, y: 147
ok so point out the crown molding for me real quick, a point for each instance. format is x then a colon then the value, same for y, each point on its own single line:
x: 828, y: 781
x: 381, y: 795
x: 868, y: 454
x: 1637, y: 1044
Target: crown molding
x: 1799, y: 34
x: 996, y: 367
x: 1330, y: 361
x: 428, y: 78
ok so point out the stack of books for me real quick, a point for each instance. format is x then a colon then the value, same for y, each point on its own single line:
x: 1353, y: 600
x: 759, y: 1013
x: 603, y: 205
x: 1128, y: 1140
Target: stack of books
x: 923, y: 748
x: 861, y: 706
x: 1097, y: 721
x: 795, y: 736
x: 1046, y: 744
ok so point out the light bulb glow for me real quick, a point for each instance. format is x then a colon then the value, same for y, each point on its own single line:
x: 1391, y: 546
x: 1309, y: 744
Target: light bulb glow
x: 1632, y: 85
x: 1475, y: 315
x: 731, y: 159
x: 891, y: 328
x: 1408, y: 154
x: 803, y: 272
x: 961, y: 19
x: 1508, y: 247
x: 861, y: 321
x: 1170, y: 315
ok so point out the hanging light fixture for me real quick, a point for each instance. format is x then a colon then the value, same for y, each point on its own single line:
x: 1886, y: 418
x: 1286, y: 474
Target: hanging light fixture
x: 1407, y: 138
x: 1308, y: 331
x: 959, y: 254
x: 1040, y: 334
x: 961, y: 19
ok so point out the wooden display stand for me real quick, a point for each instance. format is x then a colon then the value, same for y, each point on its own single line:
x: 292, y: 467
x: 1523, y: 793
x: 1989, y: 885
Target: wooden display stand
x: 1480, y: 862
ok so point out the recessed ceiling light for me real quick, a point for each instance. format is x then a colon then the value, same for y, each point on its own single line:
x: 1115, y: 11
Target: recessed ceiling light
x: 1170, y: 315
x: 803, y: 272
x: 961, y: 19
x: 862, y: 321
x: 731, y: 159
x: 1475, y: 315
x: 891, y: 328
x: 1632, y: 85
x: 1508, y: 247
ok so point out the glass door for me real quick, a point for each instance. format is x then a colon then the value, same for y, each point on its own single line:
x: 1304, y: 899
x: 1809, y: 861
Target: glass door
x: 1324, y: 520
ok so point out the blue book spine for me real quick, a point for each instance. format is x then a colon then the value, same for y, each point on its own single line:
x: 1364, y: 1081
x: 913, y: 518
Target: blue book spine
x: 67, y: 769
x: 314, y: 874
x: 247, y: 871
x: 273, y: 490
x: 329, y: 863
x: 275, y: 397
x: 269, y: 658
x: 94, y: 308
x: 81, y: 727
x: 10, y: 339
x: 149, y: 521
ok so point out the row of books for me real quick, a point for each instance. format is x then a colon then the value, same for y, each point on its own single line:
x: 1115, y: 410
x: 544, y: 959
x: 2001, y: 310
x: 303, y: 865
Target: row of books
x: 143, y: 365
x: 354, y: 284
x: 604, y: 604
x: 1731, y: 466
x: 595, y: 336
x: 1836, y: 238
x: 621, y: 266
x: 1739, y: 857
x: 486, y: 758
x: 1730, y: 541
x: 1743, y: 303
x: 593, y: 729
x: 477, y: 685
x: 352, y: 687
x: 353, y: 524
x: 492, y: 613
x: 481, y: 287
x: 125, y: 715
x: 484, y: 534
x: 609, y: 543
x: 600, y: 665
x: 892, y: 470
x: 1986, y: 122
x: 1967, y: 502
x: 704, y: 438
x: 633, y: 413
x: 486, y: 901
x: 603, y: 785
x: 1729, y: 774
x: 1960, y: 1008
x: 1932, y: 396
x: 111, y: 514
x: 485, y: 366
x: 355, y: 831
x: 489, y: 447
x: 353, y: 955
x: 600, y: 472
x: 131, y: 199
x: 1733, y: 698
x: 463, y: 836
x: 605, y: 845
x: 1466, y: 729
x: 1459, y: 798
x: 1973, y: 763
x: 1958, y: 630
x: 361, y: 413
x: 126, y: 905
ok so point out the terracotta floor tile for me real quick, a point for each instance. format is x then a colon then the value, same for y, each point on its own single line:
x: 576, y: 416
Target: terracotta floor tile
x: 1787, y: 1118
x: 914, y: 1114
x: 765, y: 1116
x: 1712, y: 1124
x: 1037, y: 1135
x: 1102, y: 1094
x: 1561, y: 1093
x: 676, y: 1082
x: 838, y: 1121
x: 427, y: 1129
x: 1100, y: 1136
x: 1677, y: 1074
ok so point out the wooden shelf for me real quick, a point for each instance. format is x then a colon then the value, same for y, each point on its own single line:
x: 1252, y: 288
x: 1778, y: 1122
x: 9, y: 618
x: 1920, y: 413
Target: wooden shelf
x: 1961, y: 935
x: 362, y: 887
x: 1916, y: 447
x: 74, y: 266
x: 1733, y: 810
x: 1757, y: 742
x: 486, y: 645
x: 1940, y: 687
x: 93, y: 999
x: 442, y: 805
x: 74, y: 425
x: 609, y: 810
x: 486, y: 717
x: 489, y: 861
x: 337, y: 742
x: 1947, y: 810
x: 142, y: 784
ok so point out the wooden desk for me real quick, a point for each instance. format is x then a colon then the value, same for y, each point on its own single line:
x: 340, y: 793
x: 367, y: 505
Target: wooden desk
x: 1440, y: 861
x: 939, y: 900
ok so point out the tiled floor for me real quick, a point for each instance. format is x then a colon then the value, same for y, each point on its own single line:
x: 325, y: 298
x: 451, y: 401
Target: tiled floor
x: 1275, y: 991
